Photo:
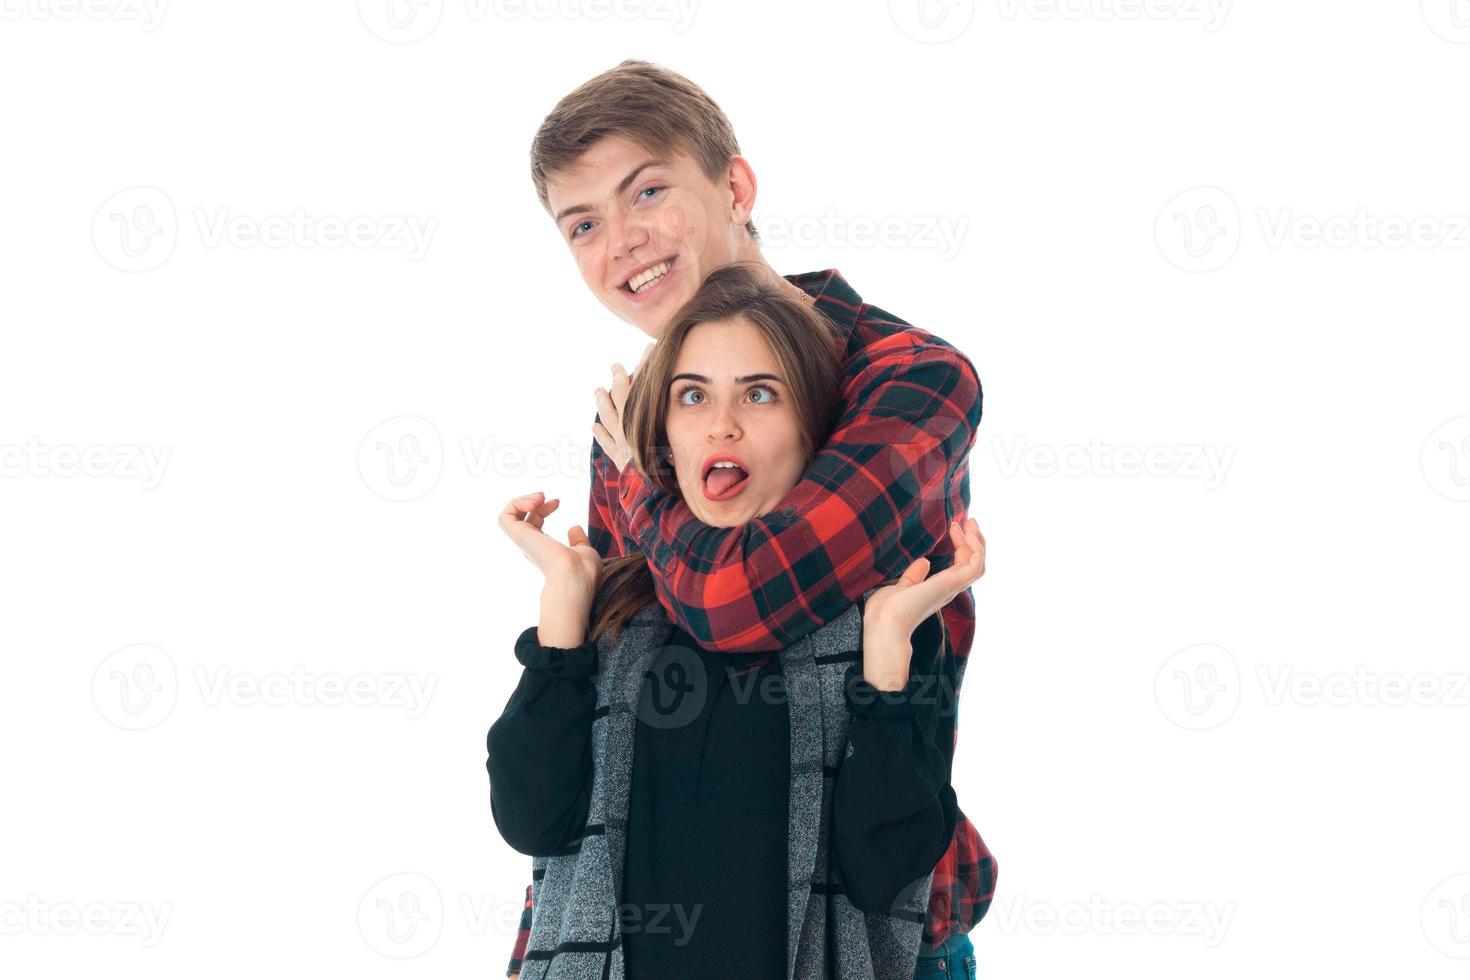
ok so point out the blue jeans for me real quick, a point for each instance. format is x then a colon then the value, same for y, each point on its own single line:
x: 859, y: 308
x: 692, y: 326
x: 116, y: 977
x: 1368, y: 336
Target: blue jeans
x: 955, y: 960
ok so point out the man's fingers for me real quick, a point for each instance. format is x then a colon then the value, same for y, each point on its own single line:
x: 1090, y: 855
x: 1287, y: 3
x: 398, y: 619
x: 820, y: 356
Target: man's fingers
x: 621, y: 386
x: 603, y: 437
x: 606, y: 410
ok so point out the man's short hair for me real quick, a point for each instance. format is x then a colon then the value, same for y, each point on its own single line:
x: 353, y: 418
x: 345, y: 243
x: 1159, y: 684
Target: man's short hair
x: 658, y: 109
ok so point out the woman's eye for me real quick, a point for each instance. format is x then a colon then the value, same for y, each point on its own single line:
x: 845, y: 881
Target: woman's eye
x: 768, y: 391
x: 683, y: 399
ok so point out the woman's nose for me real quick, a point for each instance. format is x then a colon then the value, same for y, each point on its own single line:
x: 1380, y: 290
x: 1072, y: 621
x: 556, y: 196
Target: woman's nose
x: 724, y: 425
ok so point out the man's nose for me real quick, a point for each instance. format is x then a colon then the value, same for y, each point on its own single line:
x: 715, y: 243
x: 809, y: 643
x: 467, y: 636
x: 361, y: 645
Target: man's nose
x: 625, y: 233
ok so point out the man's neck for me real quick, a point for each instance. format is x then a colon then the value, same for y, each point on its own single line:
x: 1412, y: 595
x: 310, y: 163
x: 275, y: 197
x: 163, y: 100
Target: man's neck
x: 751, y: 254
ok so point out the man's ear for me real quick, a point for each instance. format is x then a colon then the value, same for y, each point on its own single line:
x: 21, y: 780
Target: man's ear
x: 740, y: 178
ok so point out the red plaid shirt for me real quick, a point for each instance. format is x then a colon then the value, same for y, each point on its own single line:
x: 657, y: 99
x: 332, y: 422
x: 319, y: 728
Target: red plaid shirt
x: 878, y: 495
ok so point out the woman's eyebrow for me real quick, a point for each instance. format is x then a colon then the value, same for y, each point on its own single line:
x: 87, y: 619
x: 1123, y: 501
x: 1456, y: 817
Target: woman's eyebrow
x: 740, y: 381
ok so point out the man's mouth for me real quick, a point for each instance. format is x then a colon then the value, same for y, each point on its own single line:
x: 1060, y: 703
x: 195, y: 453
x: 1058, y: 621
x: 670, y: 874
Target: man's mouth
x: 724, y: 479
x: 649, y: 280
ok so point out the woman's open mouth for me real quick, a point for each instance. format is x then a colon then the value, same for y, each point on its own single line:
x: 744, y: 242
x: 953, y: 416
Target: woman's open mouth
x: 651, y: 282
x: 724, y: 480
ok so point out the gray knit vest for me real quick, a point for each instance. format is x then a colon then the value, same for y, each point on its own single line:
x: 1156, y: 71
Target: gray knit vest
x: 575, y: 925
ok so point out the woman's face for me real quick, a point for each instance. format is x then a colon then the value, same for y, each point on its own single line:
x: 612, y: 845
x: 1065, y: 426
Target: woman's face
x: 728, y: 401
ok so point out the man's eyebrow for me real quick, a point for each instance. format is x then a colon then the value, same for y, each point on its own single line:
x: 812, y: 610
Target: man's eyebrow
x: 740, y: 381
x: 623, y: 185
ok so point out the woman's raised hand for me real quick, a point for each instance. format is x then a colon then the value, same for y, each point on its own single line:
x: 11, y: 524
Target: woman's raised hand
x: 898, y: 609
x: 570, y: 567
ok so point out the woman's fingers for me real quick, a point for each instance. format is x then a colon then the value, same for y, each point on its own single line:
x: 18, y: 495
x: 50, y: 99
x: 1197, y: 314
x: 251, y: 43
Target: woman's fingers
x: 968, y: 564
x: 538, y: 516
x: 529, y: 509
x: 917, y: 571
x: 519, y: 506
x: 969, y: 553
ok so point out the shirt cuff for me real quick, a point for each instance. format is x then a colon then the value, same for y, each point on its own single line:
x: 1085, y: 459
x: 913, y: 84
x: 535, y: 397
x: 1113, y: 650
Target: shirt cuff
x: 578, y: 661
x: 629, y: 482
x: 918, y: 694
x: 865, y: 700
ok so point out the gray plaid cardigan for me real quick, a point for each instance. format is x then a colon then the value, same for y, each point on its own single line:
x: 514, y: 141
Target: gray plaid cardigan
x: 575, y: 926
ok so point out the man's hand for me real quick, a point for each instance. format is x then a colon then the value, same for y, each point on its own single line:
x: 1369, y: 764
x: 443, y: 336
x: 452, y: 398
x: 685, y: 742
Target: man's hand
x: 609, y: 431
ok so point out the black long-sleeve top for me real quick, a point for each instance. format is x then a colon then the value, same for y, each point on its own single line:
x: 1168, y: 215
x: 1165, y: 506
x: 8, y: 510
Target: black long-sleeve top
x: 705, y: 867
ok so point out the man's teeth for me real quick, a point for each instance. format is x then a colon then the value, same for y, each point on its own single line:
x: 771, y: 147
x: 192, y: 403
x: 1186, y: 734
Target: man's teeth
x: 637, y: 283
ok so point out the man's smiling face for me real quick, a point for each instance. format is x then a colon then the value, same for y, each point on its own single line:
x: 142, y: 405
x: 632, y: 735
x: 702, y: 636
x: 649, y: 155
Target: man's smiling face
x: 645, y: 228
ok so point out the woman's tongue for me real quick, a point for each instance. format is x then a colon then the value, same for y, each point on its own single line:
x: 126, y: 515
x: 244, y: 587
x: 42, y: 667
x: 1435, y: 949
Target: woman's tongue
x: 722, y: 478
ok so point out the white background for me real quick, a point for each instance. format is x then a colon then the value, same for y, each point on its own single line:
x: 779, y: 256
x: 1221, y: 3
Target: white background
x: 1215, y: 716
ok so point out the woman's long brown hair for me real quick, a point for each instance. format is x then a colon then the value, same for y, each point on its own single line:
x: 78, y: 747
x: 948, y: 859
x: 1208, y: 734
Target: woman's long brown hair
x: 808, y: 350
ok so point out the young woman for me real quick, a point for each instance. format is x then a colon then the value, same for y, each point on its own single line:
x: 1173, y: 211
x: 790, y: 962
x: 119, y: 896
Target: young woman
x: 694, y: 813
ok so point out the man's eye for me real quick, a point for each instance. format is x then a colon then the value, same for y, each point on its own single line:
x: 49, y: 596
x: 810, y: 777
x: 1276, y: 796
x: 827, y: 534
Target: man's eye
x: 577, y: 229
x: 648, y: 190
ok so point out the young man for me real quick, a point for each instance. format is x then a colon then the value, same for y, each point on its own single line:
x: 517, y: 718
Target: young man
x: 642, y: 174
